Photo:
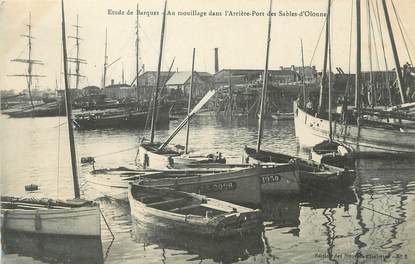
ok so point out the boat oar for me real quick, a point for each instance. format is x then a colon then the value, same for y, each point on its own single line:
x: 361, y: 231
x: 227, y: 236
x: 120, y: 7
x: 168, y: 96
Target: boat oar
x: 202, y: 102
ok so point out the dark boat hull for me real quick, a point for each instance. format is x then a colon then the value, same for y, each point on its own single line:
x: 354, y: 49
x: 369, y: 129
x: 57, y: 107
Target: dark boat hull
x: 328, y: 152
x: 123, y: 119
x: 312, y: 174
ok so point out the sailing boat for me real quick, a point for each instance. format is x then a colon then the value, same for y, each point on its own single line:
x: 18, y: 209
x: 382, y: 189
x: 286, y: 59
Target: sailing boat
x: 367, y: 137
x: 75, y: 217
x: 154, y: 155
x: 310, y: 172
x: 34, y: 110
x: 329, y: 151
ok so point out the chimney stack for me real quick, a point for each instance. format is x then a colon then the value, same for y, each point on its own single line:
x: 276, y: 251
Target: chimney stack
x: 216, y: 60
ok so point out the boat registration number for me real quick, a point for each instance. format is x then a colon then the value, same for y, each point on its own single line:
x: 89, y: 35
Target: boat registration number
x: 218, y: 187
x: 270, y: 179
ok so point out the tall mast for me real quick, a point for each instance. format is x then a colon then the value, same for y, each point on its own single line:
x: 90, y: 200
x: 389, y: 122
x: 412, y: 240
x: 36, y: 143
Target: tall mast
x: 77, y: 60
x: 230, y: 104
x: 395, y: 53
x: 358, y: 58
x: 77, y: 52
x: 323, y: 75
x: 303, y: 75
x: 105, y: 60
x: 265, y: 82
x: 29, y: 61
x: 189, y: 104
x: 29, y: 68
x: 156, y: 92
x: 69, y: 110
x: 329, y: 88
x: 137, y: 57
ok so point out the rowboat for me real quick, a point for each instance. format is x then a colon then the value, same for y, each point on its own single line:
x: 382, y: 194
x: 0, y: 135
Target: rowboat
x: 311, y: 173
x: 46, y: 216
x: 190, y: 213
x: 333, y: 153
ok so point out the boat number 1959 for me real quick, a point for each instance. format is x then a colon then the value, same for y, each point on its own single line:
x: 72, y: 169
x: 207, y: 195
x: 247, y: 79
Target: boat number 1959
x: 270, y: 179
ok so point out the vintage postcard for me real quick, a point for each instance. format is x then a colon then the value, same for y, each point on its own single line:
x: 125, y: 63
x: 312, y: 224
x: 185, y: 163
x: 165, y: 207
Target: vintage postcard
x: 192, y: 131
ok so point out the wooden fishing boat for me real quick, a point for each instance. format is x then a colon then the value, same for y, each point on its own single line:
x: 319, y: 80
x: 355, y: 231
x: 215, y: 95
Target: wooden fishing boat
x: 46, y: 216
x: 190, y: 213
x: 120, y: 118
x: 311, y: 173
x: 151, y: 157
x: 366, y: 139
x: 333, y: 153
x: 74, y: 218
x: 361, y: 128
x: 238, y: 186
x: 161, y: 156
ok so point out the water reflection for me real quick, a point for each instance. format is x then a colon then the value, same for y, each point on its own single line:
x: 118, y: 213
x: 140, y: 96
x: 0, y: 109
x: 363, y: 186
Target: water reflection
x: 198, y: 248
x: 52, y: 249
x: 280, y: 211
x: 374, y: 217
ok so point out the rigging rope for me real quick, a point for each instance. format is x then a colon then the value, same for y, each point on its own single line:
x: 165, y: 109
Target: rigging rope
x: 400, y: 28
x: 384, y: 53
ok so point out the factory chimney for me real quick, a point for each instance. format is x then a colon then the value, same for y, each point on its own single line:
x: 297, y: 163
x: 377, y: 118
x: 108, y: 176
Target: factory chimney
x: 216, y: 60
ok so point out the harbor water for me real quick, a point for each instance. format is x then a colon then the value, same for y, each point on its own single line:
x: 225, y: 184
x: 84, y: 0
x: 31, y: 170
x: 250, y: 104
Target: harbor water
x: 373, y: 222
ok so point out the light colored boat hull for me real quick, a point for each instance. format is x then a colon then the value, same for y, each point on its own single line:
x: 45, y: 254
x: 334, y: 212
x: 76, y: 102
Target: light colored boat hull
x: 112, y: 186
x: 189, y: 223
x: 150, y: 160
x: 312, y: 130
x: 83, y: 221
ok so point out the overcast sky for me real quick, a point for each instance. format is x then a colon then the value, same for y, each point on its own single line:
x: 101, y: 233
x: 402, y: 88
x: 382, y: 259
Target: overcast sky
x: 241, y: 40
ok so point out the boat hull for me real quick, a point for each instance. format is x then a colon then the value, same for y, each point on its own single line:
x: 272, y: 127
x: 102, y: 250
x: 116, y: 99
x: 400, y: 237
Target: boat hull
x: 311, y: 130
x: 311, y: 174
x: 327, y: 152
x: 82, y: 221
x: 242, y: 186
x: 247, y: 219
x: 123, y: 119
x: 150, y: 159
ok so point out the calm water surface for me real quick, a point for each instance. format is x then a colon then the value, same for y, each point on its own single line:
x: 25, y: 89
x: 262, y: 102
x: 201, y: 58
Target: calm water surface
x: 372, y: 223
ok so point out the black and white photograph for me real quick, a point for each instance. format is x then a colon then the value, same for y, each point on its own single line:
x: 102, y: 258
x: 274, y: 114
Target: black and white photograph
x: 194, y: 131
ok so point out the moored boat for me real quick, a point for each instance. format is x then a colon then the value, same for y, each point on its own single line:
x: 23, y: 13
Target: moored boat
x: 74, y: 218
x: 366, y: 139
x: 46, y: 216
x: 150, y: 156
x: 190, y: 213
x: 311, y: 173
x: 239, y: 186
x: 120, y: 118
x: 333, y: 153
